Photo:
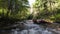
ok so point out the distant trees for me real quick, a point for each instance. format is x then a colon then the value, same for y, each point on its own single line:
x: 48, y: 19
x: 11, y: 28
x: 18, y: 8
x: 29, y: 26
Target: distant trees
x: 19, y: 10
x: 13, y: 10
x: 47, y: 9
x: 13, y: 7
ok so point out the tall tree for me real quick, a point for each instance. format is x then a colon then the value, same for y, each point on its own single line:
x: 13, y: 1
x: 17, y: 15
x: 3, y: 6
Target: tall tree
x: 46, y: 7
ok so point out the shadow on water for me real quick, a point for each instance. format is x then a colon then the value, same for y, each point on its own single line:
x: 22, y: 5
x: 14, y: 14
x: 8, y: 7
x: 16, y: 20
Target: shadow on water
x: 5, y: 31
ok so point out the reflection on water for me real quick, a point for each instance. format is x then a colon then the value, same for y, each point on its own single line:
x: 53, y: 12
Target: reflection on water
x: 30, y: 29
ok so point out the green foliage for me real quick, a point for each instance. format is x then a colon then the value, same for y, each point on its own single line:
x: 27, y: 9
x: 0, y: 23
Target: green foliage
x: 13, y: 10
x: 57, y: 18
x: 19, y: 9
x: 48, y: 9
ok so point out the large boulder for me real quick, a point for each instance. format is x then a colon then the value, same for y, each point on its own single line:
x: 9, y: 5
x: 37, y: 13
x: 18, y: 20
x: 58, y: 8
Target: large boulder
x: 41, y: 22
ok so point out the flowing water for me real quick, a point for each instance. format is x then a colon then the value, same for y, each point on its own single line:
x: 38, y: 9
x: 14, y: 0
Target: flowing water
x: 31, y: 28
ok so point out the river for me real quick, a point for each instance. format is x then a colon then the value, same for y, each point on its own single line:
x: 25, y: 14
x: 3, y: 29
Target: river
x: 31, y: 28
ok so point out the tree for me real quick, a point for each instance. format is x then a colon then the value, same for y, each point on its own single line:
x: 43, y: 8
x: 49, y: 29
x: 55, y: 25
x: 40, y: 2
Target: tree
x: 46, y: 8
x: 12, y: 7
x: 12, y: 11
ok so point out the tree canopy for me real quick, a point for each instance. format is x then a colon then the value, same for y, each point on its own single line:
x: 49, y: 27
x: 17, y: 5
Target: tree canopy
x: 14, y: 10
x: 47, y: 9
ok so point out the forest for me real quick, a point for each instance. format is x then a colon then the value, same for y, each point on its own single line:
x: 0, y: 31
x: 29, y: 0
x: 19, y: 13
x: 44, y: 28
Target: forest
x: 12, y: 11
